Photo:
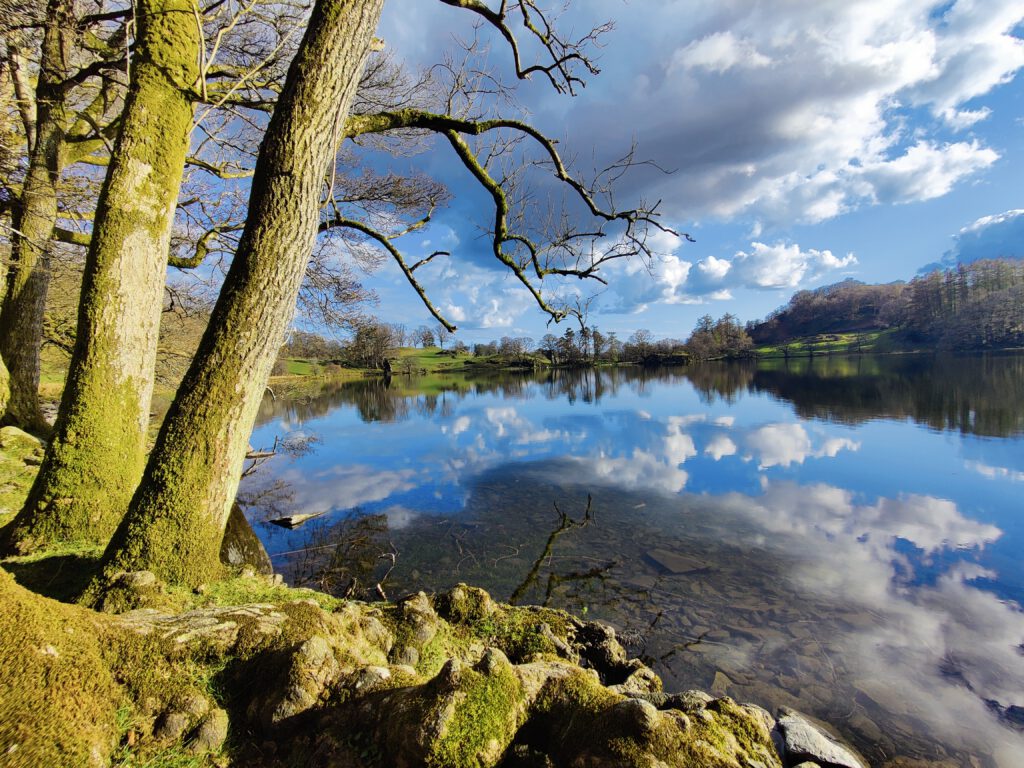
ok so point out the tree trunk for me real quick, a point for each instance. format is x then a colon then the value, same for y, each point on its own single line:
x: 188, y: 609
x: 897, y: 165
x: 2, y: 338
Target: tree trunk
x: 35, y: 216
x: 176, y: 518
x: 96, y: 458
x: 5, y: 385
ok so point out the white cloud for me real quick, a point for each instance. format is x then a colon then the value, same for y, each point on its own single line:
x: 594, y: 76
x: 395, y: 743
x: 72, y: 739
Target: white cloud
x: 718, y: 52
x: 924, y: 171
x: 993, y: 473
x: 784, y: 444
x: 989, y: 237
x: 720, y: 446
x: 641, y: 469
x: 344, y: 487
x: 767, y: 267
x: 845, y: 553
x: 803, y: 111
x: 671, y: 280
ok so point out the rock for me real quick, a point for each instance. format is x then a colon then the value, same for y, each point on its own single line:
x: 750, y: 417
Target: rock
x: 464, y: 605
x: 720, y: 685
x: 370, y: 678
x: 676, y: 563
x: 464, y: 716
x: 212, y: 733
x: 419, y: 625
x: 641, y: 680
x: 407, y: 655
x: 563, y: 648
x: 693, y: 700
x: 376, y: 633
x: 420, y: 615
x: 16, y: 441
x: 806, y: 741
x: 598, y: 648
x: 171, y: 726
x: 241, y: 546
x: 310, y: 669
x: 641, y: 716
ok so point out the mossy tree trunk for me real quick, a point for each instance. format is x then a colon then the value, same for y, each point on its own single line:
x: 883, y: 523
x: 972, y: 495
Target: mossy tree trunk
x: 33, y: 222
x: 176, y: 519
x: 97, y: 454
x: 5, y: 385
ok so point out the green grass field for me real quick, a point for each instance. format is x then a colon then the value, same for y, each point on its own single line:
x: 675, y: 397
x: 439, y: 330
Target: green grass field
x: 832, y: 344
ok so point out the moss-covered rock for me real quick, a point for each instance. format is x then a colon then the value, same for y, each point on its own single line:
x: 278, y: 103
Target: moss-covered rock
x: 301, y: 681
x: 20, y: 455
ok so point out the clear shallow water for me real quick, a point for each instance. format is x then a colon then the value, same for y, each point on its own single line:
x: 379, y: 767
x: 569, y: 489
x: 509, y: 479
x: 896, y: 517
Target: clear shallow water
x: 840, y: 535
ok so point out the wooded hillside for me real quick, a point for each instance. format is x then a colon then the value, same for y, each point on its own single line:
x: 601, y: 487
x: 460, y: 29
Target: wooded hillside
x: 972, y: 306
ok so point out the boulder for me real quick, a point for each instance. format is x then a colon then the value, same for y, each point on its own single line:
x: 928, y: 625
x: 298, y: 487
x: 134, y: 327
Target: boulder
x: 211, y: 734
x: 804, y: 740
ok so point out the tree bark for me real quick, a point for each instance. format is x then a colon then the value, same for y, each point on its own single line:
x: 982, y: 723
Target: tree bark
x: 176, y: 519
x: 97, y: 454
x: 35, y: 216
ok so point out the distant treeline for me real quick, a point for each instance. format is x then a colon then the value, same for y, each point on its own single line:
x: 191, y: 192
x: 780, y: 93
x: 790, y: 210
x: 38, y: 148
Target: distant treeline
x: 972, y: 306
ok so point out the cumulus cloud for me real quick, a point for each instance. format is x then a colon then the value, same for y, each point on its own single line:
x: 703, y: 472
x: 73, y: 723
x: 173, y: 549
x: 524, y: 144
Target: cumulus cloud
x: 803, y: 112
x: 720, y: 446
x: 343, y: 487
x: 925, y: 171
x: 656, y: 467
x: 718, y: 52
x: 999, y: 235
x: 671, y: 280
x: 766, y: 266
x: 846, y: 553
x: 780, y: 445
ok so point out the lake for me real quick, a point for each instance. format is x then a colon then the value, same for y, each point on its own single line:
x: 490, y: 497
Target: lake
x: 841, y: 535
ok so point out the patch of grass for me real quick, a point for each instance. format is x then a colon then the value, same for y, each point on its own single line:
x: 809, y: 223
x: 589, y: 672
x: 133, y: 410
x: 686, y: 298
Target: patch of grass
x: 429, y: 359
x: 242, y: 590
x: 297, y: 367
x: 831, y: 344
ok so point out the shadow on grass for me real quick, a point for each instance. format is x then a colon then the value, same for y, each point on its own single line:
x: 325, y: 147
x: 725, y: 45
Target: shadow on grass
x: 61, y: 577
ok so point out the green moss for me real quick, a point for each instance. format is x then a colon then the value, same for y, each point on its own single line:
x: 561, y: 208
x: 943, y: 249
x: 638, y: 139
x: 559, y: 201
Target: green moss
x: 520, y: 631
x: 20, y: 455
x: 59, y: 699
x: 88, y: 475
x: 444, y: 645
x: 240, y: 590
x: 487, y: 715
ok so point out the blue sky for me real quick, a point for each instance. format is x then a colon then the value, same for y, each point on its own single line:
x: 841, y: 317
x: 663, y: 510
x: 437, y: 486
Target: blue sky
x: 811, y: 141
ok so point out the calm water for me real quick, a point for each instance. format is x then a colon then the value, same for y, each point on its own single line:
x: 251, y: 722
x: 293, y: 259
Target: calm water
x: 840, y: 535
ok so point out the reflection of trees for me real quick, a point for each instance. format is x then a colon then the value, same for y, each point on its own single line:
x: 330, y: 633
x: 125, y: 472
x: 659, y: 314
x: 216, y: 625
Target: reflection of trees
x: 391, y: 400
x: 350, y: 559
x: 721, y: 380
x: 981, y: 395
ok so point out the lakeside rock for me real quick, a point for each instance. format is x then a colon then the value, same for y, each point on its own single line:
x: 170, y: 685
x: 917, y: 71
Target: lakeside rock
x: 324, y: 682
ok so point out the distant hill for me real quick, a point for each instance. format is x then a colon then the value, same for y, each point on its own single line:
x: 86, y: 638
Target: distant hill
x: 973, y: 306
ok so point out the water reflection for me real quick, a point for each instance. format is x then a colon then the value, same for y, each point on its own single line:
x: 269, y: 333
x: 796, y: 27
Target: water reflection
x: 852, y: 564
